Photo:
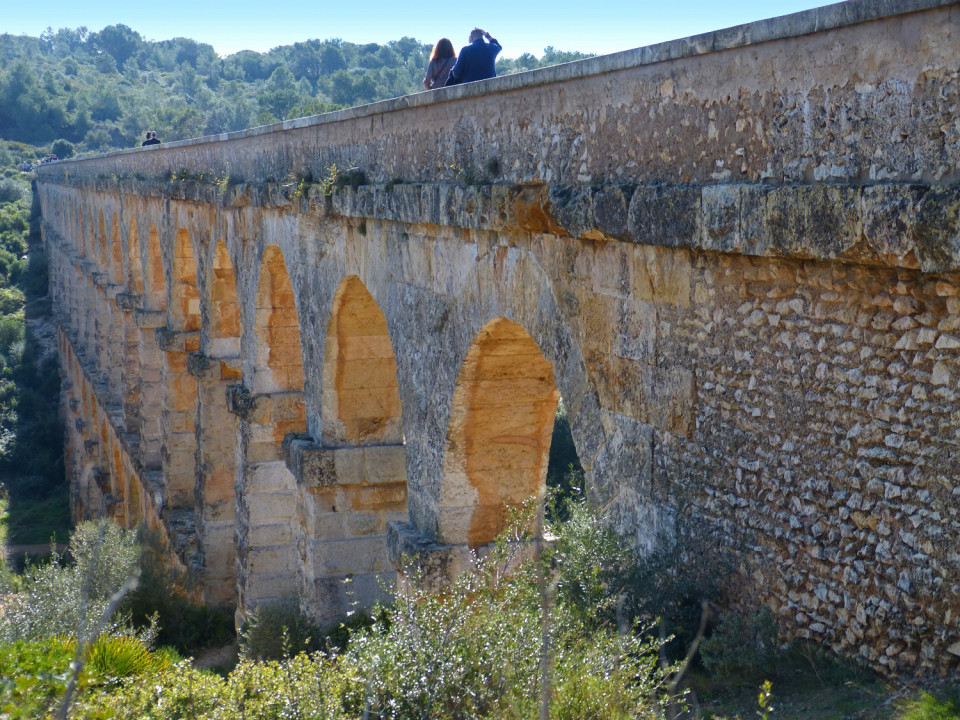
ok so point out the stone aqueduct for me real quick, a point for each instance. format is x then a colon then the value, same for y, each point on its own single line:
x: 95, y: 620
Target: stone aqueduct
x: 735, y: 256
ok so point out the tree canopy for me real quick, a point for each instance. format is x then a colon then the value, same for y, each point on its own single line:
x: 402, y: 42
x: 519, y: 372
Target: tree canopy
x: 102, y: 90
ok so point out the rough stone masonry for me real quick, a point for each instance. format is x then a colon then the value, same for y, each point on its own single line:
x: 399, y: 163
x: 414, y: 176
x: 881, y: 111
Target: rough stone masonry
x: 303, y: 350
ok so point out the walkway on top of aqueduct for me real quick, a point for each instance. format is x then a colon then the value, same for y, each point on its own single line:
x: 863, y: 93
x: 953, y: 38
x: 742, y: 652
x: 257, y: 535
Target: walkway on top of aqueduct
x: 735, y: 256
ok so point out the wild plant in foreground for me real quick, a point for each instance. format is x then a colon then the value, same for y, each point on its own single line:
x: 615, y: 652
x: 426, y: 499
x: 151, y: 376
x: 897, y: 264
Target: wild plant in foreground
x: 502, y: 642
x: 61, y: 598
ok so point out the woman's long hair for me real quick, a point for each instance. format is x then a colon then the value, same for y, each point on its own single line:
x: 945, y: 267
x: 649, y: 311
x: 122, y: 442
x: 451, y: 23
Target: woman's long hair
x: 443, y: 49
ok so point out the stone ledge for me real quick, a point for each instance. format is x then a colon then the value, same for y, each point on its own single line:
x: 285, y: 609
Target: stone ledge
x: 416, y: 555
x: 820, y: 19
x: 315, y: 466
x: 311, y: 465
x: 240, y: 401
x: 128, y: 301
x: 907, y: 225
x: 170, y: 340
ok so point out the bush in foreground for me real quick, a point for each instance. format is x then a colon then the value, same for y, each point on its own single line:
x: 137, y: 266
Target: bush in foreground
x: 70, y: 599
x: 494, y: 644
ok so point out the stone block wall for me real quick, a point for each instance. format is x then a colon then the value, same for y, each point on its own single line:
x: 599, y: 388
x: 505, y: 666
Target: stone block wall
x: 734, y: 256
x: 824, y: 440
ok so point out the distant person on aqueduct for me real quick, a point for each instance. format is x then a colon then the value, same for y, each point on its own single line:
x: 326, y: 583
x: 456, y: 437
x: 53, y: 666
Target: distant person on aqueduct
x: 477, y: 60
x: 441, y: 63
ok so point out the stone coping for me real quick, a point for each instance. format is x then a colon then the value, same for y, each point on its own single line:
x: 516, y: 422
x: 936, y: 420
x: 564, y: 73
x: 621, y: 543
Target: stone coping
x: 819, y: 19
x: 904, y: 225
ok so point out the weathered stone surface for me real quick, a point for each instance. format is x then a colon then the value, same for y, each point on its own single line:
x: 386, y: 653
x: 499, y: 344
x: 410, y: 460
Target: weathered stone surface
x: 740, y: 271
x: 240, y: 401
x: 665, y: 215
x: 129, y: 301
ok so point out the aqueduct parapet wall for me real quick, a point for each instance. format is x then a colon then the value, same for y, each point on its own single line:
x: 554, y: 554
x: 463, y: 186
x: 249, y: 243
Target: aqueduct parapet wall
x: 736, y: 257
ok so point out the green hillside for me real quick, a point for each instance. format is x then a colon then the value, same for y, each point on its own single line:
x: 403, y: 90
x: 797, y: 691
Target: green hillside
x: 102, y: 90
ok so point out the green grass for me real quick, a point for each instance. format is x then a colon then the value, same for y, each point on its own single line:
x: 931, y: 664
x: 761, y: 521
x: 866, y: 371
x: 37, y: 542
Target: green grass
x: 806, y: 700
x: 808, y: 684
x: 928, y: 707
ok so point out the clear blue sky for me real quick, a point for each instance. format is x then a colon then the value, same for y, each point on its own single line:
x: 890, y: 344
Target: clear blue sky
x: 520, y: 25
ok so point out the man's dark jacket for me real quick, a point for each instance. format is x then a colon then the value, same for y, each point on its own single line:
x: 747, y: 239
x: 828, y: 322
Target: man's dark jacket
x: 477, y: 61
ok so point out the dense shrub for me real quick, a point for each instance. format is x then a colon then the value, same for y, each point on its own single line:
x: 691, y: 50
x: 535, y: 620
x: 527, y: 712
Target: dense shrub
x: 70, y: 599
x: 501, y: 642
x: 167, y: 596
x: 43, y: 670
x: 306, y: 686
x: 742, y: 649
x: 928, y: 707
x: 34, y: 676
x: 11, y: 300
x: 592, y: 566
x: 11, y: 190
x: 279, y: 630
x: 62, y: 148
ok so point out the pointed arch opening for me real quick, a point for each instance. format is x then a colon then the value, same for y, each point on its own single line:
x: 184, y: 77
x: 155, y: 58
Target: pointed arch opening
x: 498, y: 438
x: 134, y: 260
x: 83, y: 244
x: 267, y: 551
x: 135, y: 512
x: 185, y: 296
x: 277, y: 354
x: 102, y: 252
x: 224, y: 309
x: 156, y: 286
x: 116, y: 252
x: 361, y: 398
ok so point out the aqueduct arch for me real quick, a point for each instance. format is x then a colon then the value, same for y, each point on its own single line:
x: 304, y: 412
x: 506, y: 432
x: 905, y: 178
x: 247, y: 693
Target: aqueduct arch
x: 361, y: 398
x: 216, y: 369
x: 277, y: 353
x: 225, y: 312
x: 134, y: 263
x: 353, y: 483
x: 683, y: 254
x: 498, y: 440
x: 269, y: 410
